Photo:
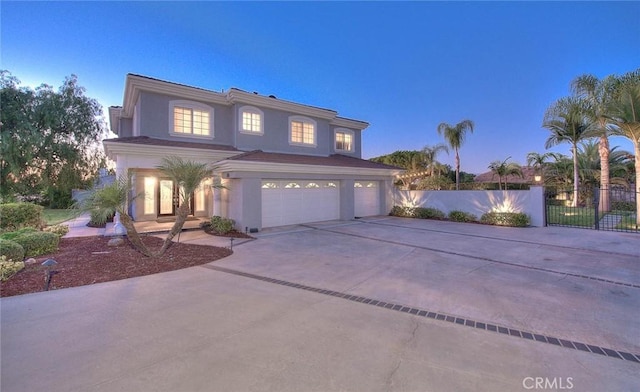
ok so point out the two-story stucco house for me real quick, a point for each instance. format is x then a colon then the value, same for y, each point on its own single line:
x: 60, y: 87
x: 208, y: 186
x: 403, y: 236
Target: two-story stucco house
x: 281, y: 162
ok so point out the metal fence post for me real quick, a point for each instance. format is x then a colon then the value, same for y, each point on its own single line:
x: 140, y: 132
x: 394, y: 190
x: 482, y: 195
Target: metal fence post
x: 596, y: 207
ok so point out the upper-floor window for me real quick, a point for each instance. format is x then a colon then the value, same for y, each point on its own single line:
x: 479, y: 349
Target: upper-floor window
x: 190, y: 119
x: 251, y: 120
x: 344, y: 140
x: 302, y: 131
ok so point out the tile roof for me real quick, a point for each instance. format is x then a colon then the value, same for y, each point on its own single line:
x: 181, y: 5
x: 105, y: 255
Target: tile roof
x: 150, y: 141
x: 331, y: 160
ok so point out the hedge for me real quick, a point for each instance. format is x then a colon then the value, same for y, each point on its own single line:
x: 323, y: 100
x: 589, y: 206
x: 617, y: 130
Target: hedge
x: 513, y: 219
x: 219, y: 224
x: 461, y: 216
x: 37, y: 243
x: 9, y: 268
x: 12, y: 250
x: 15, y: 216
x: 417, y: 212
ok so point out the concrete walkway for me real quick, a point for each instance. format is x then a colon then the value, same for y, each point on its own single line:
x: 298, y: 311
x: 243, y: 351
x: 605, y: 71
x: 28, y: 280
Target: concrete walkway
x: 381, y: 304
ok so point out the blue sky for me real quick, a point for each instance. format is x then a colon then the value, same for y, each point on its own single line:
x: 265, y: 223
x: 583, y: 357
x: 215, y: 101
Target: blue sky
x: 404, y: 67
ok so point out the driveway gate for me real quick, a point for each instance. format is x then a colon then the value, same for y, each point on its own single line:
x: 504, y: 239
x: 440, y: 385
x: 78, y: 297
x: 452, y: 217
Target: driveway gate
x: 612, y: 209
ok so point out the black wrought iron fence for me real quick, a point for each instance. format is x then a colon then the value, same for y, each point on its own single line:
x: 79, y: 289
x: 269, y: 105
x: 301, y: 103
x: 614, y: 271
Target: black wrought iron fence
x: 613, y: 209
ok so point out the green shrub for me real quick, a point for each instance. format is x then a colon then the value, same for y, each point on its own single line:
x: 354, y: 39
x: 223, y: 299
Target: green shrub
x: 221, y: 225
x: 8, y: 268
x: 461, y: 216
x: 623, y: 206
x: 38, y: 243
x: 11, y: 235
x: 11, y: 250
x: 14, y: 216
x: 417, y: 212
x: 513, y: 219
x: 59, y: 230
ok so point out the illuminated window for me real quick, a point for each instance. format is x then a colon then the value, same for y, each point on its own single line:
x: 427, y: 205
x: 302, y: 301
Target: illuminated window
x: 200, y: 200
x: 292, y: 185
x: 371, y: 185
x: 269, y: 185
x: 302, y: 131
x: 190, y: 119
x: 357, y: 185
x: 251, y: 120
x: 149, y: 195
x: 330, y: 185
x: 312, y: 185
x: 344, y: 141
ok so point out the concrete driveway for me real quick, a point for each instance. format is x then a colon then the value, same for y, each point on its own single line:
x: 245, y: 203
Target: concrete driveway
x: 382, y: 304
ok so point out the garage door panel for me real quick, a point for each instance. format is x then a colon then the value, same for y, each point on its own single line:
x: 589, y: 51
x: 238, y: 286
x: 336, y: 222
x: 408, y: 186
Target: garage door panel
x: 287, y: 202
x: 367, y: 198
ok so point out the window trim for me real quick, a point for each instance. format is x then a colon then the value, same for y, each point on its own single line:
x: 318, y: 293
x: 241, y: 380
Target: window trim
x: 253, y: 110
x: 303, y: 120
x: 192, y: 105
x: 346, y: 132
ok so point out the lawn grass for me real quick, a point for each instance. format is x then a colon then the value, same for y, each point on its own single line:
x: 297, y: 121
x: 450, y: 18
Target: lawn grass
x: 55, y: 217
x: 628, y: 222
x: 570, y: 216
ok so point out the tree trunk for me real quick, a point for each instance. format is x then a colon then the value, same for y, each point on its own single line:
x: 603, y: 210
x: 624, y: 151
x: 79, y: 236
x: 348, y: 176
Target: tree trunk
x: 457, y: 171
x: 605, y: 183
x: 133, y: 235
x: 576, y: 177
x: 181, y: 217
x: 636, y: 146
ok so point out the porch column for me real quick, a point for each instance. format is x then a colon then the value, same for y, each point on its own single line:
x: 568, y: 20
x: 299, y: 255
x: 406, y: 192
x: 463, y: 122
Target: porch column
x: 217, y: 196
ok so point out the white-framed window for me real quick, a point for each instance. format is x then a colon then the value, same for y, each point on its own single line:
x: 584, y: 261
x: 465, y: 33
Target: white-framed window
x: 292, y: 185
x: 330, y: 185
x: 357, y: 185
x: 190, y: 119
x: 302, y: 131
x: 312, y: 185
x: 251, y: 120
x: 343, y: 140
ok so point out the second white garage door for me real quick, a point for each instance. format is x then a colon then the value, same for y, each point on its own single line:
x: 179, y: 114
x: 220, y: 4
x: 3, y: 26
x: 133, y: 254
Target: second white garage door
x: 288, y: 202
x: 367, y: 198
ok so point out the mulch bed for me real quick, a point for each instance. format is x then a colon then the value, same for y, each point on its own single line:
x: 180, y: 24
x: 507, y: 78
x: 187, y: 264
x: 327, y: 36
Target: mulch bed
x: 89, y: 260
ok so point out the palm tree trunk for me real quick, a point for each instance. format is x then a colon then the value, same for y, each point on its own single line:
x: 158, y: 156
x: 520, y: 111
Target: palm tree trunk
x: 457, y: 171
x: 576, y: 177
x: 605, y: 183
x: 133, y: 235
x: 181, y: 217
x: 636, y: 147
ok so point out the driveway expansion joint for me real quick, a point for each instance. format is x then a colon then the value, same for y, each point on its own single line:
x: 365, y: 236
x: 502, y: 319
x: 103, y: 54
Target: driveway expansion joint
x: 439, y: 316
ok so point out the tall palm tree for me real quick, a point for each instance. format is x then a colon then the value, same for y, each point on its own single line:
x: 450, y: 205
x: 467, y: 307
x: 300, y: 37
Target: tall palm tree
x: 504, y: 169
x: 455, y: 136
x: 567, y: 120
x: 430, y: 155
x: 599, y: 94
x: 625, y: 116
x: 187, y: 175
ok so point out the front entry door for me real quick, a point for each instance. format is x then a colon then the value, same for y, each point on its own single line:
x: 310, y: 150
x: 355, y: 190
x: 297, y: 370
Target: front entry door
x: 169, y: 198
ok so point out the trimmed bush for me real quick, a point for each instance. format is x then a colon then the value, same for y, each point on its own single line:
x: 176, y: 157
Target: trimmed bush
x: 11, y: 235
x: 221, y: 225
x: 417, y: 212
x: 513, y: 219
x: 9, y: 268
x: 11, y: 250
x: 59, y: 230
x: 461, y: 216
x: 623, y: 206
x: 38, y: 243
x: 15, y: 216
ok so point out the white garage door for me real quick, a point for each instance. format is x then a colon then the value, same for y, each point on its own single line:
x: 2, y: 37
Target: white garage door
x: 367, y: 198
x: 288, y: 202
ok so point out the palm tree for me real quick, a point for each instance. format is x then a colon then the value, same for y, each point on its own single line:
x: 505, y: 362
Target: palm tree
x: 538, y: 162
x: 625, y: 117
x: 599, y: 94
x: 187, y: 175
x: 504, y: 169
x: 111, y: 199
x: 455, y: 136
x: 567, y: 120
x: 430, y: 154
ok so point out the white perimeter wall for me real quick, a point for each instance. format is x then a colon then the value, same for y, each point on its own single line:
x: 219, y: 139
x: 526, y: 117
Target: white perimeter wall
x: 530, y: 202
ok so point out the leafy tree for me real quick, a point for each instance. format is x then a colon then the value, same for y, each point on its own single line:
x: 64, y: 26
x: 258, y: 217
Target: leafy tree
x: 625, y: 117
x: 504, y: 169
x: 48, y: 139
x: 430, y: 155
x: 567, y: 120
x: 455, y: 136
x: 412, y: 161
x: 539, y: 162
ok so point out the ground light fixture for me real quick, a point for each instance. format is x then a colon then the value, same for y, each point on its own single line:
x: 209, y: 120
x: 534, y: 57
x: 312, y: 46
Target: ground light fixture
x: 49, y: 272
